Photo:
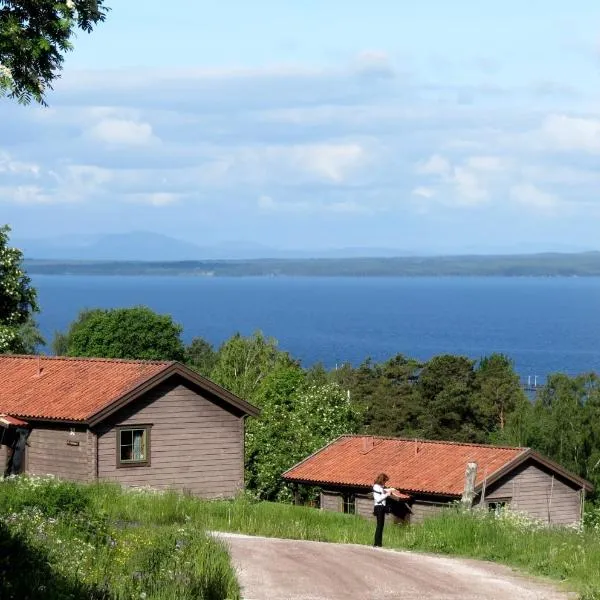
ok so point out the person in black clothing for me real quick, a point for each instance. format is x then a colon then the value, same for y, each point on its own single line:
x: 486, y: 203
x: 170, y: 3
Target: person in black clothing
x: 380, y: 496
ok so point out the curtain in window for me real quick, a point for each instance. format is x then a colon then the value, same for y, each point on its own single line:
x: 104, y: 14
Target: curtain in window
x: 138, y: 445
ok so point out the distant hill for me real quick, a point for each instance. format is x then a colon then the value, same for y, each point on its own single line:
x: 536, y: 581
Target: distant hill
x: 149, y: 246
x: 537, y: 265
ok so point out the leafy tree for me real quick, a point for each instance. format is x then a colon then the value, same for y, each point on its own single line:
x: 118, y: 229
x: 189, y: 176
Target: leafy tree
x: 244, y: 362
x: 201, y: 356
x: 133, y: 333
x: 387, y: 396
x: 499, y: 388
x: 450, y: 407
x: 18, y: 300
x: 267, y: 447
x: 34, y: 37
x: 297, y: 419
x: 31, y: 339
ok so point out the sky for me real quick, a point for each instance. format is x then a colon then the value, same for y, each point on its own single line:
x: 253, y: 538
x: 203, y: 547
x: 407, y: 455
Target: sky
x: 435, y: 126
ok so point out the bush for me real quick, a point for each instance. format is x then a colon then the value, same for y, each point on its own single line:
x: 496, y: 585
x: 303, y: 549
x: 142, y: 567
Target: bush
x: 51, y: 496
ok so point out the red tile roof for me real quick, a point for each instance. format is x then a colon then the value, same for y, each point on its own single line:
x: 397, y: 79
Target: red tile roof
x: 68, y: 389
x: 412, y: 465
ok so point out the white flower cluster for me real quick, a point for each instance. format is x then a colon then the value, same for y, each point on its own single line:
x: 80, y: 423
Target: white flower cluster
x: 5, y: 72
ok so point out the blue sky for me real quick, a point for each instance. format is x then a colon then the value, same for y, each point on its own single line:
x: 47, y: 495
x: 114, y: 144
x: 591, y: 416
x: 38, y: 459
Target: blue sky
x: 450, y: 127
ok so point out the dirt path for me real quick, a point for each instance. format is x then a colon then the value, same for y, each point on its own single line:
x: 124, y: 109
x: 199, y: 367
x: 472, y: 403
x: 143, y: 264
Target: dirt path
x: 274, y: 569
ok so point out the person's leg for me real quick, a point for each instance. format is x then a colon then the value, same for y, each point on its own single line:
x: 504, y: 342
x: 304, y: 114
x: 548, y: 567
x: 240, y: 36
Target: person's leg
x: 380, y: 514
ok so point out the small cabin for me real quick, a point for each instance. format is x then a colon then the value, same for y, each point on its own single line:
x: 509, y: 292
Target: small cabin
x: 430, y: 475
x: 139, y: 423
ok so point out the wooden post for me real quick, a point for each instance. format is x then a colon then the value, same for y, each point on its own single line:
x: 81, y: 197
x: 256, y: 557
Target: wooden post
x: 469, y: 490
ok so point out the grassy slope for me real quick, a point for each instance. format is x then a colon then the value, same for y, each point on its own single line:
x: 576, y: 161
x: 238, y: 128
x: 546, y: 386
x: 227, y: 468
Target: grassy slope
x: 564, y: 555
x: 102, y: 542
x: 56, y: 543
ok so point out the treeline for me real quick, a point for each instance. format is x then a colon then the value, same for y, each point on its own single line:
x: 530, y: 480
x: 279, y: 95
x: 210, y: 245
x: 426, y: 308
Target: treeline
x: 447, y: 398
x: 539, y: 265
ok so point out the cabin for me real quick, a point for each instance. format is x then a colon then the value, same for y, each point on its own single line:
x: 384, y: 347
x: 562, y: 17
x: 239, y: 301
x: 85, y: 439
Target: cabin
x: 430, y: 475
x: 139, y: 423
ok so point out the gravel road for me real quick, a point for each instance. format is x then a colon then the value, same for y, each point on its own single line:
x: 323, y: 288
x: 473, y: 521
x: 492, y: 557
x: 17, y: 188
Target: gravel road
x: 275, y: 569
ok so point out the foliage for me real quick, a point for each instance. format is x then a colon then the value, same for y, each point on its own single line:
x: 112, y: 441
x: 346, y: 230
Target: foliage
x: 244, y: 362
x: 81, y: 553
x: 567, y: 555
x: 200, y: 356
x: 34, y: 37
x: 131, y: 333
x: 386, y: 394
x: 563, y: 423
x: 499, y: 388
x: 30, y: 338
x: 296, y: 419
x: 18, y: 300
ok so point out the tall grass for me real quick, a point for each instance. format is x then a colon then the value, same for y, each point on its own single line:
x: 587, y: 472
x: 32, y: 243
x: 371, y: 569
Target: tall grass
x: 565, y: 555
x: 162, y: 551
x: 57, y: 542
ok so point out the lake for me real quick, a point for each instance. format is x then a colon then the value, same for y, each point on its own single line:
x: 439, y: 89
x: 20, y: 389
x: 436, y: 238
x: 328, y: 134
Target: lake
x: 544, y: 324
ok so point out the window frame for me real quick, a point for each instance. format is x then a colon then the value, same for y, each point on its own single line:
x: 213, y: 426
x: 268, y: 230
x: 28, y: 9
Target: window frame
x: 349, y: 501
x: 497, y: 504
x: 138, y: 463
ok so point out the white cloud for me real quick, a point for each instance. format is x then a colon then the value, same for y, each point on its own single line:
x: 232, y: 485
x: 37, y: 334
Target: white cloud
x: 269, y: 205
x: 14, y: 167
x: 156, y: 198
x: 470, y: 183
x: 423, y: 192
x: 334, y: 162
x: 435, y: 165
x: 561, y: 132
x: 122, y: 132
x: 531, y: 196
x: 374, y: 63
x: 24, y: 194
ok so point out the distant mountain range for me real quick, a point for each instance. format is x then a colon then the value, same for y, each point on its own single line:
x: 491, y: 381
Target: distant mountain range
x: 149, y: 246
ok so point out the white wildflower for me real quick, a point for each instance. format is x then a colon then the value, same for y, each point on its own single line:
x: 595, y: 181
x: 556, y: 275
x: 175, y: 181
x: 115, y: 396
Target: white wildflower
x: 5, y: 71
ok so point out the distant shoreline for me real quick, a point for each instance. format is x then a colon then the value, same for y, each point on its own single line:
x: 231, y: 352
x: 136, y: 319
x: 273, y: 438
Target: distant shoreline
x: 530, y: 265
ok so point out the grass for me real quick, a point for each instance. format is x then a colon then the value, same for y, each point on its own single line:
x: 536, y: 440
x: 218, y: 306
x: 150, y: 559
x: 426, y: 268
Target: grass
x: 58, y: 543
x: 160, y: 548
x: 564, y: 555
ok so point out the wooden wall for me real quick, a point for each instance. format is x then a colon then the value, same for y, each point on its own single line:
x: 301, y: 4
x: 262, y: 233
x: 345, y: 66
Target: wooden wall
x: 196, y: 445
x: 532, y: 489
x: 421, y: 510
x: 59, y: 451
x: 2, y: 459
x: 331, y: 501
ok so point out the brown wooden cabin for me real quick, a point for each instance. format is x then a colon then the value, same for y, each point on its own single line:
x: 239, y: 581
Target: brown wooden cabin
x: 139, y: 423
x: 431, y: 475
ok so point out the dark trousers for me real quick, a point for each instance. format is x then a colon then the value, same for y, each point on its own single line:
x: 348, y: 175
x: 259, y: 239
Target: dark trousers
x: 379, y: 512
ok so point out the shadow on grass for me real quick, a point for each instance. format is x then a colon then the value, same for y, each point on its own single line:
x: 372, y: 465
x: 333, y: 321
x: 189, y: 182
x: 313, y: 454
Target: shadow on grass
x: 26, y: 575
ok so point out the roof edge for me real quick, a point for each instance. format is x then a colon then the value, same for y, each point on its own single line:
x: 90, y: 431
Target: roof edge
x: 528, y: 453
x: 170, y: 369
x: 88, y: 359
x: 427, y: 441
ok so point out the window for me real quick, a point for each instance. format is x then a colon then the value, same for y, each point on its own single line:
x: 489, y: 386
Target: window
x: 498, y: 504
x: 133, y: 446
x: 349, y: 504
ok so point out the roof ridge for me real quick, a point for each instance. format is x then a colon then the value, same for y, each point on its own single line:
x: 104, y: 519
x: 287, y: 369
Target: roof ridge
x: 87, y: 359
x: 426, y: 441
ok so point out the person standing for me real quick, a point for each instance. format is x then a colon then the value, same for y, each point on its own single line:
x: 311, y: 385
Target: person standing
x: 380, y: 496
